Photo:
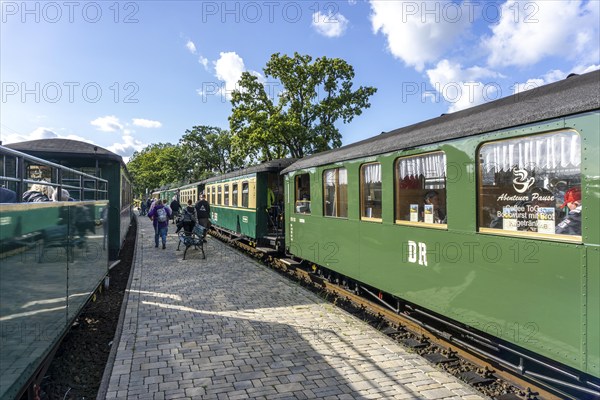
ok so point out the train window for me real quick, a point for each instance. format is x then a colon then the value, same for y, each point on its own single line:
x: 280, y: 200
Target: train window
x: 420, y: 189
x: 226, y: 194
x: 219, y: 195
x: 213, y: 199
x: 370, y: 192
x: 245, y: 193
x: 335, y: 193
x: 302, y: 194
x: 234, y: 195
x: 531, y: 186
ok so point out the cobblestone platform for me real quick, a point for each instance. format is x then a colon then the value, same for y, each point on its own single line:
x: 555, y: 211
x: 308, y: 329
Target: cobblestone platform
x: 229, y: 328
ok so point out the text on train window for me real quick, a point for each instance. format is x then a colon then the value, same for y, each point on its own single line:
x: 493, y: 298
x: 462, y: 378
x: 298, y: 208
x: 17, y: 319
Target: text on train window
x: 335, y: 193
x: 420, y: 189
x: 531, y: 184
x: 370, y: 191
x: 302, y: 199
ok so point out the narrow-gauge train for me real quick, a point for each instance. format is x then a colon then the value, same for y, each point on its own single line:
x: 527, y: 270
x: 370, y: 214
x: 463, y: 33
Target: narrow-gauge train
x: 248, y: 203
x: 463, y: 221
x: 482, y: 223
x: 53, y: 254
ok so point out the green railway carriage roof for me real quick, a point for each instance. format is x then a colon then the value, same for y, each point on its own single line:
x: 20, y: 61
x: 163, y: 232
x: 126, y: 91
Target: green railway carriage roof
x: 63, y: 148
x: 576, y: 94
x: 267, y: 166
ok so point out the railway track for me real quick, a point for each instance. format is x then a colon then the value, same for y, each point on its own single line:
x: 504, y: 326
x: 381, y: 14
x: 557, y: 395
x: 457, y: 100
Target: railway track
x: 439, y: 347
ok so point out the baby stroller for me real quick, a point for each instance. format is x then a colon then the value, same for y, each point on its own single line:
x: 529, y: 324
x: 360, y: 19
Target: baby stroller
x: 194, y: 238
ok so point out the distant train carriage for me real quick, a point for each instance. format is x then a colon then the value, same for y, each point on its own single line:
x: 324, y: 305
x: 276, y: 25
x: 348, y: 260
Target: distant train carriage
x: 248, y: 202
x: 463, y: 218
x: 97, y: 161
x: 191, y: 191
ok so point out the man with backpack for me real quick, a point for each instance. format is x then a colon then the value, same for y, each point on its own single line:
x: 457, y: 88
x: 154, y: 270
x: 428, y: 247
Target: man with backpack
x: 160, y: 215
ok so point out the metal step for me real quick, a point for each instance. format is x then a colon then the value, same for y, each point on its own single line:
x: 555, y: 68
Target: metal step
x: 266, y: 250
x: 289, y: 262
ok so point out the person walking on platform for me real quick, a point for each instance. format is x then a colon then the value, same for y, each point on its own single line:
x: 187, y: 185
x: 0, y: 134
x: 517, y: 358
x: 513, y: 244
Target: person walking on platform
x: 159, y: 214
x: 203, y: 214
x: 188, y: 221
x: 175, y: 207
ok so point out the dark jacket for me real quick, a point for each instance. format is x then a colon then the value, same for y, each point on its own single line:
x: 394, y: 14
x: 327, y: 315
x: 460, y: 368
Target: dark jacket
x: 571, y: 225
x: 202, y: 209
x: 175, y: 206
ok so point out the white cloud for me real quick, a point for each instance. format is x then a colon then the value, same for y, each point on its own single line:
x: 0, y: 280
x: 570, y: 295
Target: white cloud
x: 39, y: 133
x: 110, y: 123
x: 191, y: 46
x: 204, y: 61
x: 229, y: 68
x: 463, y: 87
x: 550, y: 77
x: 127, y: 147
x: 529, y: 31
x: 330, y: 24
x: 415, y: 35
x: 146, y: 123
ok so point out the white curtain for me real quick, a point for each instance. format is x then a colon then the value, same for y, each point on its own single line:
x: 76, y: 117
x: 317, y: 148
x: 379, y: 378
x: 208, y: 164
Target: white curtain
x: 547, y: 152
x: 429, y: 165
x: 372, y: 173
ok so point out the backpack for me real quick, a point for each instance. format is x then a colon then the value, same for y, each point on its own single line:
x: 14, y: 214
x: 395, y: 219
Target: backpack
x: 161, y: 214
x: 187, y: 216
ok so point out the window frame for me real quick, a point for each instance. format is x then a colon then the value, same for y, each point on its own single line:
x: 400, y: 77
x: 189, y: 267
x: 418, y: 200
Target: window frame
x: 246, y: 195
x: 337, y: 190
x: 524, y: 234
x: 297, y: 178
x: 397, y: 180
x: 226, y: 195
x: 361, y: 192
x: 234, y: 194
x: 219, y: 195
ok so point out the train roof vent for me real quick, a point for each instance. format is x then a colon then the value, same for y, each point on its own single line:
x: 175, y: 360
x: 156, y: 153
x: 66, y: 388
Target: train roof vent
x: 571, y: 74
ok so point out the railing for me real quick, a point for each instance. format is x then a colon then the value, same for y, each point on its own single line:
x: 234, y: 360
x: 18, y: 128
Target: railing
x: 18, y: 170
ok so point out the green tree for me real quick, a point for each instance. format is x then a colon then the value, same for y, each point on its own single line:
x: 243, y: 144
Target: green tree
x: 311, y: 98
x: 156, y: 165
x: 206, y: 150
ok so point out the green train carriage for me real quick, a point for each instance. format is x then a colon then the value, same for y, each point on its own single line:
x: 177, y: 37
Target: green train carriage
x: 486, y: 257
x: 239, y: 202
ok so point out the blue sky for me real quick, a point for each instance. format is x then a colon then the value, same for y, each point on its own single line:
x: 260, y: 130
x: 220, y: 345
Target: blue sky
x: 127, y: 74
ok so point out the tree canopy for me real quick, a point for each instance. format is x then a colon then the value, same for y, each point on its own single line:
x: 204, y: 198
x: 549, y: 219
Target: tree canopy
x: 292, y: 112
x: 311, y: 98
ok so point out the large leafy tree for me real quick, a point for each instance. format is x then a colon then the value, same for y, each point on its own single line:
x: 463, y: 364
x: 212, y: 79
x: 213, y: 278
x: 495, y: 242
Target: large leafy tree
x: 311, y: 96
x: 206, y: 150
x: 156, y: 165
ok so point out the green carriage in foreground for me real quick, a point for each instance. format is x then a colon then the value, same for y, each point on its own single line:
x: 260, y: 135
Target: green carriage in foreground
x: 248, y: 203
x: 459, y: 219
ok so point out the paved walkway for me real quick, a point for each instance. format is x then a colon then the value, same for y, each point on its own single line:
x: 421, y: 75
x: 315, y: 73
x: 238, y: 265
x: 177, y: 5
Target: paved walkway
x: 229, y: 328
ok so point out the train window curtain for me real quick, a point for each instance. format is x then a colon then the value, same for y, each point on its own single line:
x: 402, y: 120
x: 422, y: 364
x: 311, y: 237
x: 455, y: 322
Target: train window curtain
x: 370, y: 188
x: 335, y: 193
x: 524, y: 184
x: 420, y: 189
